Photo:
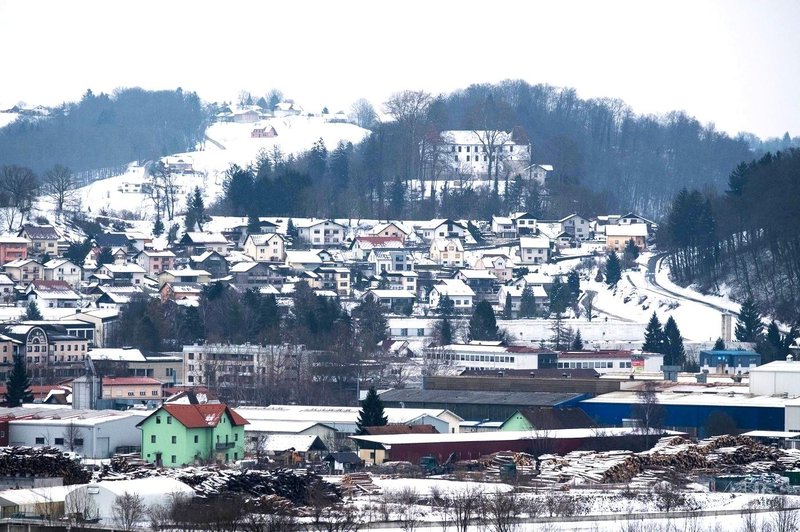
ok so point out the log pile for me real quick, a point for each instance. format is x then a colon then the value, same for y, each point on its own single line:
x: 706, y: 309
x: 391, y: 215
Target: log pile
x: 525, y: 463
x: 669, y: 455
x: 41, y: 462
x: 359, y: 483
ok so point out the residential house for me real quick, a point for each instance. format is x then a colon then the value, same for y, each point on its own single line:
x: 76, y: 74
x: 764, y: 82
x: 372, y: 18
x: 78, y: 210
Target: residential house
x: 363, y: 245
x: 63, y: 270
x: 633, y: 218
x: 287, y: 109
x: 334, y: 278
x: 43, y: 239
x: 618, y: 236
x: 394, y: 300
x: 113, y: 240
x: 534, y: 250
x: 447, y: 252
x: 155, y: 262
x: 459, y: 293
x: 482, y: 282
x: 396, y: 260
x: 176, y: 435
x: 185, y: 275
x: 52, y: 294
x: 130, y: 390
x: 499, y: 265
x: 320, y: 233
x: 195, y: 243
x: 181, y: 292
x: 394, y: 230
x: 540, y: 298
x: 266, y: 132
x: 525, y: 223
x: 138, y: 241
x: 303, y: 260
x: 246, y: 116
x: 179, y: 164
x: 503, y: 227
x: 478, y: 152
x: 115, y: 297
x: 24, y: 270
x: 255, y: 274
x: 577, y: 226
x: 13, y: 248
x: 212, y: 262
x: 400, y: 280
x: 7, y: 294
x: 269, y: 247
x: 441, y: 228
x: 127, y: 274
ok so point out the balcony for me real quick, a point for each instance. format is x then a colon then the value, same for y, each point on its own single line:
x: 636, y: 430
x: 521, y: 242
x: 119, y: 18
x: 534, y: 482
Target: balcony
x: 224, y: 446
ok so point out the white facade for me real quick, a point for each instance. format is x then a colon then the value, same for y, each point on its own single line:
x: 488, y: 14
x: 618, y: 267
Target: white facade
x: 63, y: 270
x: 612, y: 362
x: 99, y: 434
x: 410, y: 328
x: 268, y: 247
x: 776, y: 378
x: 487, y: 355
x: 459, y: 293
x: 534, y: 250
x: 447, y: 252
x: 470, y: 152
x: 321, y: 232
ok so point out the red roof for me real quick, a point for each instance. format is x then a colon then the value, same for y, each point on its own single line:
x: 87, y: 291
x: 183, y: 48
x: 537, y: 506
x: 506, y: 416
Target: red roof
x: 202, y: 416
x: 378, y: 240
x: 129, y: 381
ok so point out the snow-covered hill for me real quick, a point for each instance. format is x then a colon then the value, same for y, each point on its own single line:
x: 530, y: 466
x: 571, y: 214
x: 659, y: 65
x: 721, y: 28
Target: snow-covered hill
x: 226, y: 143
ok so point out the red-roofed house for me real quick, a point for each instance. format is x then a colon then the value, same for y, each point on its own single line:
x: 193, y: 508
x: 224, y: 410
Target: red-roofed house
x: 182, y: 434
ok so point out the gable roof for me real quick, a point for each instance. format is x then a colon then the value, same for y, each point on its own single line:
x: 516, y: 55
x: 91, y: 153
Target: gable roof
x: 112, y: 240
x: 39, y: 232
x: 200, y: 416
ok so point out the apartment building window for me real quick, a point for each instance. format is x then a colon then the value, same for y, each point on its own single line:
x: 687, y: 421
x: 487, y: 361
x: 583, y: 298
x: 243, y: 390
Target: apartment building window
x: 152, y: 438
x: 174, y: 439
x: 169, y: 420
x: 196, y: 438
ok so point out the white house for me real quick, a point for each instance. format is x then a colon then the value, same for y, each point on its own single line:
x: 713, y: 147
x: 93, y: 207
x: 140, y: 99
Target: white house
x: 197, y: 243
x: 618, y: 236
x: 459, y: 293
x: 52, y: 294
x: 472, y: 152
x: 320, y: 233
x: 123, y: 274
x: 534, y: 250
x: 395, y: 300
x: 447, y: 252
x: 575, y: 225
x: 498, y: 263
x: 503, y: 227
x: 540, y: 299
x: 524, y: 222
x: 268, y: 247
x: 441, y: 228
x: 390, y: 261
x: 303, y: 260
x: 63, y: 270
x: 391, y: 229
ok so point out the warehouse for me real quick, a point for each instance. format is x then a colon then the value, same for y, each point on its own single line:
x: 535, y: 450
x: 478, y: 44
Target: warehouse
x: 473, y: 445
x: 694, y: 412
x: 478, y: 405
x: 97, y: 500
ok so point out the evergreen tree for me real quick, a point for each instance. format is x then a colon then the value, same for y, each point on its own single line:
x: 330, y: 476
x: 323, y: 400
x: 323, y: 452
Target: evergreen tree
x: 675, y: 354
x: 370, y: 324
x: 397, y: 197
x: 32, y: 312
x: 105, y: 257
x: 508, y: 312
x: 749, y: 327
x: 371, y: 413
x: 574, y: 286
x: 719, y: 345
x: 291, y: 232
x: 482, y: 324
x: 653, y: 336
x: 158, y: 227
x: 77, y: 252
x: 527, y: 303
x: 195, y: 211
x: 444, y: 331
x: 18, y: 385
x: 559, y: 297
x: 613, y: 269
x: 445, y: 306
x: 630, y: 254
x: 172, y: 234
x: 577, y: 342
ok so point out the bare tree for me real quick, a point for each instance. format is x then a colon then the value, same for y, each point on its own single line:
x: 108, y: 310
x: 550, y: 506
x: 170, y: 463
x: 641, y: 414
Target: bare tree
x: 785, y: 517
x: 79, y: 505
x: 464, y: 507
x: 410, y: 111
x: 363, y: 114
x: 18, y: 186
x: 128, y: 510
x: 159, y: 516
x: 72, y: 434
x: 502, y: 509
x: 648, y: 412
x: 60, y: 186
x: 272, y: 522
x: 162, y: 188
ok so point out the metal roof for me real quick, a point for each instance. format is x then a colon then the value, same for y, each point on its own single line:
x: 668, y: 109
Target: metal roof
x: 478, y: 397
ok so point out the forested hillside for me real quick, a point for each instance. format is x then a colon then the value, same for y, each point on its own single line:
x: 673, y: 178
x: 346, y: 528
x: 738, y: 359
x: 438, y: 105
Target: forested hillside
x: 106, y: 130
x: 747, y: 237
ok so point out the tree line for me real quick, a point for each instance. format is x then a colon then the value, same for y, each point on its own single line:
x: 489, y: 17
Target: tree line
x: 746, y: 237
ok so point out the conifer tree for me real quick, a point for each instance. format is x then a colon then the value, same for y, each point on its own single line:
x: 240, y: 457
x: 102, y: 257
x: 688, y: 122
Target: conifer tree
x: 719, y: 345
x: 613, y: 269
x: 653, y: 336
x: 32, y: 312
x: 527, y: 303
x: 105, y: 257
x: 749, y: 327
x: 158, y: 227
x: 18, y: 385
x: 291, y: 232
x: 444, y: 331
x: 508, y: 309
x: 482, y: 324
x: 445, y: 306
x: 371, y: 413
x: 574, y: 285
x: 675, y: 354
x: 577, y: 342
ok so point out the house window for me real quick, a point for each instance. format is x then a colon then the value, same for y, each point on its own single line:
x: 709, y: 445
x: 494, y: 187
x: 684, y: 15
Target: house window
x: 196, y: 438
x: 169, y: 420
x: 420, y: 332
x: 403, y: 332
x: 130, y: 394
x: 153, y: 438
x: 39, y: 441
x: 174, y: 459
x: 158, y: 420
x: 174, y: 439
x: 236, y: 437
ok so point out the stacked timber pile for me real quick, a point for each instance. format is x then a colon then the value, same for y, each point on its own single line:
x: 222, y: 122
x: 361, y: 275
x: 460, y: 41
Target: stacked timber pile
x: 41, y: 462
x: 524, y: 463
x: 669, y: 455
x: 285, y: 483
x: 359, y: 483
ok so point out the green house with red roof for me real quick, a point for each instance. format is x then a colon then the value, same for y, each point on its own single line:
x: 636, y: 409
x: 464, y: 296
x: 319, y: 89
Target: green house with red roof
x: 177, y: 435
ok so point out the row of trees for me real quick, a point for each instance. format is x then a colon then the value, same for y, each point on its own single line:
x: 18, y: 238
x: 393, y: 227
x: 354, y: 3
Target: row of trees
x: 747, y: 238
x: 770, y: 341
x: 668, y: 341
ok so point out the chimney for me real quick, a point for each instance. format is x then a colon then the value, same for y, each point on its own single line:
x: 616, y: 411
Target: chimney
x: 789, y: 358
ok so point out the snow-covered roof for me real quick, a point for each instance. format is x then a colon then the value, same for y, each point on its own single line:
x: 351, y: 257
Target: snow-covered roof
x: 536, y: 242
x: 510, y: 435
x: 116, y: 354
x: 260, y: 240
x: 477, y: 274
x: 187, y: 272
x: 197, y: 237
x: 128, y: 267
x: 302, y: 257
x: 627, y: 230
x: 277, y: 426
x: 276, y: 443
x: 440, y: 244
x: 453, y: 287
x: 502, y: 220
x: 476, y: 138
x: 391, y: 294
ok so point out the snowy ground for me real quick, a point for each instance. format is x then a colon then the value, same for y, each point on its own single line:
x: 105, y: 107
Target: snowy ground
x: 7, y: 118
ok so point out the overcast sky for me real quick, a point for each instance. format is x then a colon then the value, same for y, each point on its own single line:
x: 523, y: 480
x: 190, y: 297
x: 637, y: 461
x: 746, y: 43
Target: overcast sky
x: 732, y: 62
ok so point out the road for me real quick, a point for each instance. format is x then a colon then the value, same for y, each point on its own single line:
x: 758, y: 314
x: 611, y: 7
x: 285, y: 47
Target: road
x: 652, y: 285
